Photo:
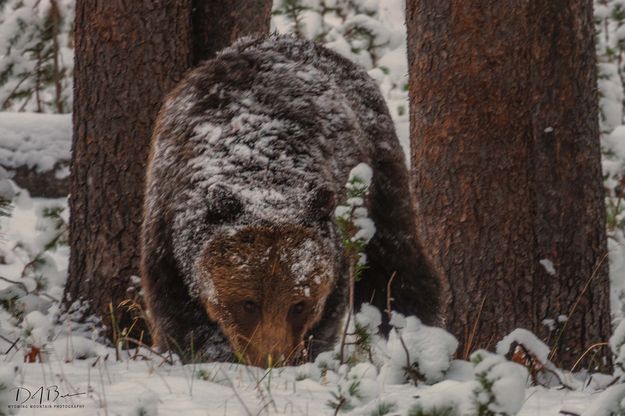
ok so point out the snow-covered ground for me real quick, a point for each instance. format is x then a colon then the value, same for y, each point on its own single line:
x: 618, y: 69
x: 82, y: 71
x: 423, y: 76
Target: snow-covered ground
x: 81, y: 377
x: 37, y: 141
x: 231, y: 389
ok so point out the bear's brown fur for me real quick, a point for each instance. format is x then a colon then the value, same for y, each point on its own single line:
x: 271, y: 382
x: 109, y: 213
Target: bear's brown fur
x: 263, y: 297
x: 240, y: 253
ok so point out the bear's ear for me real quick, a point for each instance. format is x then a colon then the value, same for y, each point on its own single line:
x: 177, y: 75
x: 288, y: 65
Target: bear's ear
x: 223, y: 204
x: 320, y: 205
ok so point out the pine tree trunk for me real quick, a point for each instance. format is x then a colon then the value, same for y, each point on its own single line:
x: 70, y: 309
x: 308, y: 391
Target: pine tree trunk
x: 506, y: 168
x: 236, y: 18
x: 129, y: 54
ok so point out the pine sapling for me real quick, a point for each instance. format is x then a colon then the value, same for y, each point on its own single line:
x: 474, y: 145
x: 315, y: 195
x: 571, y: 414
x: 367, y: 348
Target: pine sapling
x: 341, y: 398
x: 292, y: 10
x: 8, y: 374
x: 356, y: 230
x: 617, y: 345
x: 383, y: 408
x: 500, y: 387
x: 6, y: 194
x: 5, y: 207
x: 418, y: 410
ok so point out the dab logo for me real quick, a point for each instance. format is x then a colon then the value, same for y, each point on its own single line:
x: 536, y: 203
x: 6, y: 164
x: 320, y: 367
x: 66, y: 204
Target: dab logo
x: 43, y: 397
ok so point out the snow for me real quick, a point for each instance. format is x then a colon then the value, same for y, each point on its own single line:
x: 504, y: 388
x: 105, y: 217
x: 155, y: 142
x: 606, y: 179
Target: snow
x: 611, y: 96
x: 362, y: 380
x: 609, y: 403
x: 37, y: 141
x: 354, y: 202
x: 6, y: 188
x: 617, y: 344
x: 528, y: 340
x: 7, y: 383
x: 369, y: 318
x: 548, y: 266
x: 496, y: 384
x: 36, y: 329
x: 69, y: 348
x: 342, y: 211
x: 381, y: 33
x: 616, y: 257
x: 358, y: 183
x: 609, y: 47
x: 505, y: 391
x: 615, y: 141
x: 146, y: 405
x: 229, y: 389
x: 303, y: 259
x: 361, y: 173
x: 366, y: 229
x: 447, y: 395
x: 429, y: 350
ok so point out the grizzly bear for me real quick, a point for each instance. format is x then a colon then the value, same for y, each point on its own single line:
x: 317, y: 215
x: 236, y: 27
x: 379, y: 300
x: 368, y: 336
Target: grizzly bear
x: 241, y: 256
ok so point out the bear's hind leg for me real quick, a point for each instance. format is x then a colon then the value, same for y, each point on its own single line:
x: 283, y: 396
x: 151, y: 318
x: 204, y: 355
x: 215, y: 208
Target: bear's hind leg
x: 395, y: 252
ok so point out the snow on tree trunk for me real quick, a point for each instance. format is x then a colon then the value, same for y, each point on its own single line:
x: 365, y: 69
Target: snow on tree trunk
x: 128, y: 56
x: 506, y: 168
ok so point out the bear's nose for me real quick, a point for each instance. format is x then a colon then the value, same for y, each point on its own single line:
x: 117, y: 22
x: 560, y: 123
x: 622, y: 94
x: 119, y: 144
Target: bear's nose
x: 266, y: 359
x: 276, y: 355
x: 272, y: 360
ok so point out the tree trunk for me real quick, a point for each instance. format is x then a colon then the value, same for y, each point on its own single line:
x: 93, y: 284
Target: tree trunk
x: 506, y: 168
x: 129, y: 54
x: 229, y: 20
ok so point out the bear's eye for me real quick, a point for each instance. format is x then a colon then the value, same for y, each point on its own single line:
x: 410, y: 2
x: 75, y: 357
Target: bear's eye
x: 298, y: 308
x: 250, y: 307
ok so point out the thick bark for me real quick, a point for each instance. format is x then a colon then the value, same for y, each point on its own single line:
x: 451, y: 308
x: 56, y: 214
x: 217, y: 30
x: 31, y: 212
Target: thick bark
x: 217, y: 23
x: 129, y: 54
x: 506, y: 167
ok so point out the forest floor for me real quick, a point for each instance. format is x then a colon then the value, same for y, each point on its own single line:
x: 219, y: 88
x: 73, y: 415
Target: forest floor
x: 122, y: 388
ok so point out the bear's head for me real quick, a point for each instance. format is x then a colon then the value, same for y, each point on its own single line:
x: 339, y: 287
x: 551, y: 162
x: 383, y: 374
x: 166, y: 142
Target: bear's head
x: 266, y: 287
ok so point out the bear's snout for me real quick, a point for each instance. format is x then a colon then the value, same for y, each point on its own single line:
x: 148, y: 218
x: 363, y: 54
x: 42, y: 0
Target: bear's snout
x: 271, y: 345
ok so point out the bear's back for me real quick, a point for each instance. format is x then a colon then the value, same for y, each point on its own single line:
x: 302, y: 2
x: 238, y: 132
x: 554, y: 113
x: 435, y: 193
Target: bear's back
x: 270, y: 118
x: 266, y: 116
